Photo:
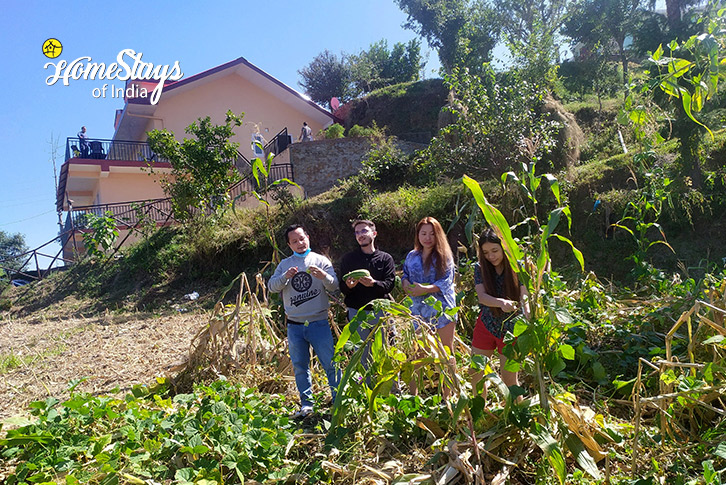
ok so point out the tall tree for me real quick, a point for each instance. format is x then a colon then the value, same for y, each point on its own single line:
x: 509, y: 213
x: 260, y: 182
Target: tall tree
x: 463, y: 32
x: 202, y: 167
x: 598, y: 24
x: 326, y: 77
x: 11, y: 246
x: 378, y: 67
x: 530, y: 29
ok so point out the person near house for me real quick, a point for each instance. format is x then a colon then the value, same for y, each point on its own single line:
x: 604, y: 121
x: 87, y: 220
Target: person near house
x: 429, y: 271
x: 502, y: 298
x: 302, y: 280
x: 306, y: 134
x: 359, y: 292
x: 83, y: 142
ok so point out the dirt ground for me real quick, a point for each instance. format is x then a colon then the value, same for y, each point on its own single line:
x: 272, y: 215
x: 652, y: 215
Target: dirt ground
x: 39, y: 357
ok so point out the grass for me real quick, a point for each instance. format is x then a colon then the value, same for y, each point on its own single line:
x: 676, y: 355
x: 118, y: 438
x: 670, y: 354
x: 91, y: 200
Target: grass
x: 10, y: 361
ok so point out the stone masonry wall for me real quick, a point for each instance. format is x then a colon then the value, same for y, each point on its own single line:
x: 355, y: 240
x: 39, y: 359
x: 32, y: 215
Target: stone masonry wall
x: 318, y: 165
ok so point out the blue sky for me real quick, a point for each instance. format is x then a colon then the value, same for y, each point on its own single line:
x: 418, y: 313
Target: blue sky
x: 278, y: 36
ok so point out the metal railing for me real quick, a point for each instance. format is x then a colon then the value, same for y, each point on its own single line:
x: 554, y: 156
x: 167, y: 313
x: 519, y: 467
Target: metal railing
x: 97, y: 149
x: 160, y: 210
x: 125, y: 213
x: 16, y: 267
x: 279, y: 143
x: 241, y: 189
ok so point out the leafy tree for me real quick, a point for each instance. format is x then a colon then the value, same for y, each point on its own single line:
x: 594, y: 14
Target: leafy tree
x: 594, y: 74
x: 675, y: 11
x: 326, y: 77
x: 498, y: 121
x: 378, y: 67
x: 101, y: 234
x: 683, y: 84
x: 463, y: 32
x: 530, y: 28
x: 598, y: 24
x: 202, y: 167
x: 11, y: 246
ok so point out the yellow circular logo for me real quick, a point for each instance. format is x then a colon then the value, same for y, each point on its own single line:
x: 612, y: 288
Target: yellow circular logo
x: 52, y: 48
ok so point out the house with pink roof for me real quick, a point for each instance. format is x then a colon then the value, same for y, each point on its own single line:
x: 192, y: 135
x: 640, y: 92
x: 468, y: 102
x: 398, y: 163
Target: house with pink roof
x: 111, y: 175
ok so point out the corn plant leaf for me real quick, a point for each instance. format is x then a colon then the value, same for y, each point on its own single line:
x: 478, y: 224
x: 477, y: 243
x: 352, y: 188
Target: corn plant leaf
x: 583, y: 458
x: 542, y: 438
x: 686, y: 101
x: 578, y: 254
x: 554, y: 186
x: 497, y: 221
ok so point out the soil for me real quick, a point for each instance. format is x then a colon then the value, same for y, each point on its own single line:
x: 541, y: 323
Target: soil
x: 40, y: 357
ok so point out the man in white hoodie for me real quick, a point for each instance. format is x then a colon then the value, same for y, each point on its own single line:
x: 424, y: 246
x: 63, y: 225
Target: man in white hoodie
x: 302, y: 279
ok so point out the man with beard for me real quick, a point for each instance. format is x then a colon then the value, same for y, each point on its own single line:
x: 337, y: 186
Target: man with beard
x: 359, y: 291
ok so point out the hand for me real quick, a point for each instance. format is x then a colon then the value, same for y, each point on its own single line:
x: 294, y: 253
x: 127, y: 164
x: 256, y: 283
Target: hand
x: 367, y: 281
x: 291, y: 272
x: 317, y: 272
x: 351, y: 282
x: 405, y: 285
x: 509, y: 306
x: 417, y: 289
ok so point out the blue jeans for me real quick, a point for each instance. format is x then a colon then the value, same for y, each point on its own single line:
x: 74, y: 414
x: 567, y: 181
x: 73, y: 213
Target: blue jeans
x: 300, y: 338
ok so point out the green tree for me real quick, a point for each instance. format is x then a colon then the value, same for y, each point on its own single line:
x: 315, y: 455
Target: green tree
x: 11, y: 246
x: 498, y: 120
x: 327, y: 76
x: 379, y: 67
x: 101, y: 233
x: 598, y: 24
x: 530, y: 30
x: 684, y: 85
x: 202, y: 168
x: 463, y: 32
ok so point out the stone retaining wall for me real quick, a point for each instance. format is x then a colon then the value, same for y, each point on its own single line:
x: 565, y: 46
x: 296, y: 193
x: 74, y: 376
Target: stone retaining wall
x: 318, y: 165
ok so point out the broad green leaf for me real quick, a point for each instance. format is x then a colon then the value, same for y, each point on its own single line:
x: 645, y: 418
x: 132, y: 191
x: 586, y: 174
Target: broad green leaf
x: 583, y: 458
x: 658, y: 53
x: 716, y: 339
x: 578, y: 254
x: 670, y: 88
x: 679, y: 67
x: 554, y: 186
x: 567, y: 352
x: 686, y: 102
x: 542, y: 437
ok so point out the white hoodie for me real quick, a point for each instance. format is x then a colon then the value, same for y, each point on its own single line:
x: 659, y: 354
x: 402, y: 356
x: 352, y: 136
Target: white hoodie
x: 304, y: 295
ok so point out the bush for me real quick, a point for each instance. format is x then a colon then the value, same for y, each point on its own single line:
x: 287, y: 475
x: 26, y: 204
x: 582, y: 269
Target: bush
x: 373, y: 131
x: 332, y: 132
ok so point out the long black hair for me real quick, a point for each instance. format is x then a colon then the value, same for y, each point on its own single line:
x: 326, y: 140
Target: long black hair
x: 489, y: 272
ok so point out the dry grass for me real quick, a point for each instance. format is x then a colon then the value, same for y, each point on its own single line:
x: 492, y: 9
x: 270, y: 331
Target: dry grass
x: 108, y: 351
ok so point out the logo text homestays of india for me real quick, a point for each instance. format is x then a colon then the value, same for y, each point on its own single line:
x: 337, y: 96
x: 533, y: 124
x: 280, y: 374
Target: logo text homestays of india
x: 128, y: 66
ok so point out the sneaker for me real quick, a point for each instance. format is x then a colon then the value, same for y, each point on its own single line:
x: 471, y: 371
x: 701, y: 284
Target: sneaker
x: 304, y: 412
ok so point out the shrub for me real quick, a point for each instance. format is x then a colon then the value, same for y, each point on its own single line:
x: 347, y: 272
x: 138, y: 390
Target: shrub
x: 333, y: 132
x: 373, y: 131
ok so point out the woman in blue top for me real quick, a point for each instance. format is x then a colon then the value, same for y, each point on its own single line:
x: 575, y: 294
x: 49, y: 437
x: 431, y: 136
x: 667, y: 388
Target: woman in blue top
x: 429, y: 271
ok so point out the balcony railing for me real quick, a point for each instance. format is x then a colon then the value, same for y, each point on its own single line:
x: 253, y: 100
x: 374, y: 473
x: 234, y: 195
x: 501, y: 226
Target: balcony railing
x: 125, y: 213
x: 97, y: 149
x: 160, y: 210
